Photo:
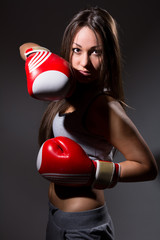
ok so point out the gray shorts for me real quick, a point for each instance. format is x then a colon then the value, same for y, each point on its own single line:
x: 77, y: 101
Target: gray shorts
x: 89, y: 225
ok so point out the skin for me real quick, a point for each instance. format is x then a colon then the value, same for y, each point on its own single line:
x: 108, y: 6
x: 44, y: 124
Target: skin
x: 86, y: 54
x: 106, y: 118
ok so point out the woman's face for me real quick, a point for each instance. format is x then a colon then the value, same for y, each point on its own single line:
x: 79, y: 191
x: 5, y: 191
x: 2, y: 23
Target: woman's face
x: 86, y: 54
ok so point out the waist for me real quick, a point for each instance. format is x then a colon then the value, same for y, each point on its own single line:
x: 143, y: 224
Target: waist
x: 71, y: 199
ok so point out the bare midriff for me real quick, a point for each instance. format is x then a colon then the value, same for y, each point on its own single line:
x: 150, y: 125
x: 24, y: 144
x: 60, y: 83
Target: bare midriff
x: 75, y: 199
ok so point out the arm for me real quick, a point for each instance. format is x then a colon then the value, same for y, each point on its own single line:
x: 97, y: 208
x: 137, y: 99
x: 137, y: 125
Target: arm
x: 140, y: 164
x: 119, y: 130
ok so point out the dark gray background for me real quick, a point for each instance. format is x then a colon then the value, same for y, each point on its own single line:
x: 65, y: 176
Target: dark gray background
x: 134, y: 207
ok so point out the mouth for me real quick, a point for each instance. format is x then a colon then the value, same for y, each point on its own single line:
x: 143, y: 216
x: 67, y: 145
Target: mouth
x: 85, y: 73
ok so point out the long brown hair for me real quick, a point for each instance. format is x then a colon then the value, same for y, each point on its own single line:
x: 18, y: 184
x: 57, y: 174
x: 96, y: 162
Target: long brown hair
x: 101, y: 22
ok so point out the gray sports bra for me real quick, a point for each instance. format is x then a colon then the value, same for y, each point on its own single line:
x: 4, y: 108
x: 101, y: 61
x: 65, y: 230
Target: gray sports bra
x: 71, y: 125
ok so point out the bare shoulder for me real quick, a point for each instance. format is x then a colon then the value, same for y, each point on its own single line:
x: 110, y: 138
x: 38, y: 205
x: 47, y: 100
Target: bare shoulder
x: 115, y: 107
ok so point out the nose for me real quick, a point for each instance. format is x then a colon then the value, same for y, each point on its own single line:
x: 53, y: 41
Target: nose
x: 84, y: 60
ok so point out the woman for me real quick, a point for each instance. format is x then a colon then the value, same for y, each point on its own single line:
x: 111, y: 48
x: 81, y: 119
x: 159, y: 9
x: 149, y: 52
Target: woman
x: 94, y: 116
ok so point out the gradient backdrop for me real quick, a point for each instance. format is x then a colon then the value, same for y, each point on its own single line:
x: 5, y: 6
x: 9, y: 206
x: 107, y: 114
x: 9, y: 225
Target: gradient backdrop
x: 134, y: 207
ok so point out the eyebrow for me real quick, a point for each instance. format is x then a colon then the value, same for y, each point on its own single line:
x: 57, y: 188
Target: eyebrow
x: 77, y: 44
x: 81, y: 46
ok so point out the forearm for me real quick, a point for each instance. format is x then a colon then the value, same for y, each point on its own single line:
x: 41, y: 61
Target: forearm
x: 134, y: 171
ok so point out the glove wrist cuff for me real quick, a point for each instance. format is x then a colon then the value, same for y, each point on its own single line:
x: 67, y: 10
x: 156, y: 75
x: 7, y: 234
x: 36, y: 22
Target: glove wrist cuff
x: 107, y: 174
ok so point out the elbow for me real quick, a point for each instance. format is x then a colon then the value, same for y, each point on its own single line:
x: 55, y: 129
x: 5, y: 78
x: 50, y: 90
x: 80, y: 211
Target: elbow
x: 24, y: 47
x: 155, y: 173
x: 152, y: 172
x: 151, y: 168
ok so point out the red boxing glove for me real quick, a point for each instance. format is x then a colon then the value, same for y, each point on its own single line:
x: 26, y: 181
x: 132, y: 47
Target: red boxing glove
x: 64, y: 162
x: 48, y: 75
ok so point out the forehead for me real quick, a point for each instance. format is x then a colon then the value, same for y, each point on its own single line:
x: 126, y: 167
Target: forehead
x: 86, y: 36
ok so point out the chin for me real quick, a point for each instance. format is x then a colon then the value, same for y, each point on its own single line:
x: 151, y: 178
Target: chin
x: 86, y: 79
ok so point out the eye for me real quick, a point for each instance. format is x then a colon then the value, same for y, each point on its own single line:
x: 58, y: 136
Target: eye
x: 76, y: 50
x: 97, y: 52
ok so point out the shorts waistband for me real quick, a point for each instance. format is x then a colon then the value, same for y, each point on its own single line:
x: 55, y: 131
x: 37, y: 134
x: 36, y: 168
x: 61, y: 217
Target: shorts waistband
x: 77, y: 220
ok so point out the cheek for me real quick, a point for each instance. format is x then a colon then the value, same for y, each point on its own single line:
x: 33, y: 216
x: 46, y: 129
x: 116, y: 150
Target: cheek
x: 97, y: 64
x: 74, y: 62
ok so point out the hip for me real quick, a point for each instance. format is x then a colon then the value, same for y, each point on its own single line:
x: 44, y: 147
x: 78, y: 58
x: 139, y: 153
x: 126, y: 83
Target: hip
x: 91, y: 224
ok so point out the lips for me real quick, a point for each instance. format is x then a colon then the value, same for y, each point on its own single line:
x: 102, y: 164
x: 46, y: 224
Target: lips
x: 85, y: 73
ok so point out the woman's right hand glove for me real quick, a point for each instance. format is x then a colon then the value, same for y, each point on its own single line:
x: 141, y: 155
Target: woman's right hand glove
x: 48, y: 75
x: 64, y: 162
